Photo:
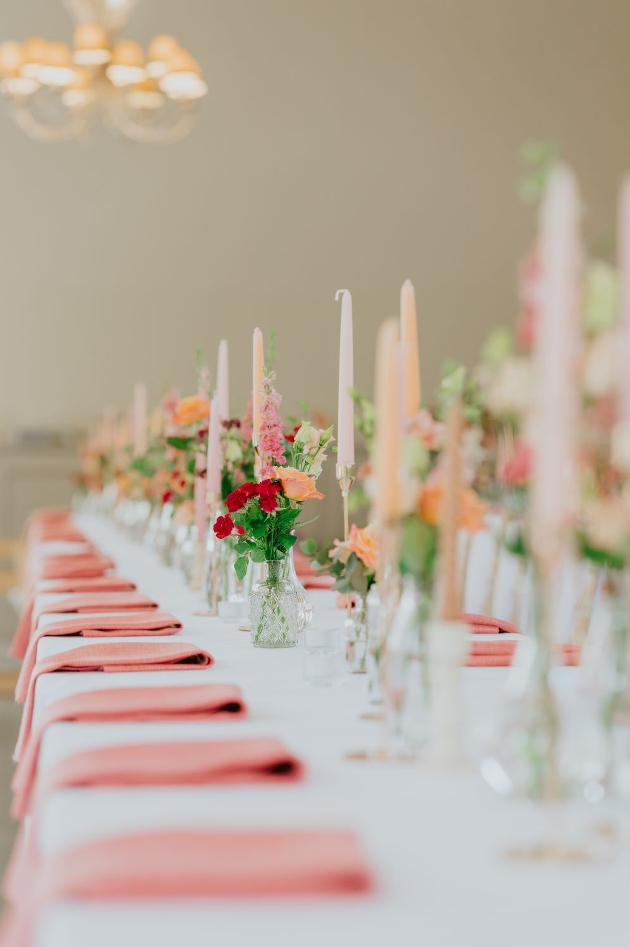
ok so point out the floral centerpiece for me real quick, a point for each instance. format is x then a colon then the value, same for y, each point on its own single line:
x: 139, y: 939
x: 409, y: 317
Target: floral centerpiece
x: 263, y: 516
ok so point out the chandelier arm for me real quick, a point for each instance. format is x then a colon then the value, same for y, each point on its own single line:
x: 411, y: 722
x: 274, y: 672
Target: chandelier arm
x: 40, y: 131
x: 152, y: 135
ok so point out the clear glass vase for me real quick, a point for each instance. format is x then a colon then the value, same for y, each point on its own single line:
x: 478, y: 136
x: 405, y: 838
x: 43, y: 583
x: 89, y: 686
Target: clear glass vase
x: 223, y: 588
x: 274, y: 608
x: 356, y: 627
x: 305, y: 608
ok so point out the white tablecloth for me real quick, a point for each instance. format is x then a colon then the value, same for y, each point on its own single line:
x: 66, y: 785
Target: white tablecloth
x: 435, y: 842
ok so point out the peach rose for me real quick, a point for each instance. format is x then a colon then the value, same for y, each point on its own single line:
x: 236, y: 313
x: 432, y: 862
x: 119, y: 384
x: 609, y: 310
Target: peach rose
x: 472, y: 509
x: 296, y: 484
x: 362, y: 542
x: 191, y: 409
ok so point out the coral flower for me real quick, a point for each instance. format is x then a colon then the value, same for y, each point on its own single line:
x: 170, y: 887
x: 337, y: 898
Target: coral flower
x: 472, y: 509
x: 296, y: 484
x: 362, y: 542
x: 190, y: 410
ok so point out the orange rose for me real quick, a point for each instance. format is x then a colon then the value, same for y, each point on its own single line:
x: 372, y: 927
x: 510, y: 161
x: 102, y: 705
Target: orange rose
x: 472, y: 509
x: 191, y: 409
x: 296, y: 484
x: 362, y: 542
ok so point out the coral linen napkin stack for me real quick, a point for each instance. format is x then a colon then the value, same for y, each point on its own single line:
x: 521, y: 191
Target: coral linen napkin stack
x: 199, y: 864
x: 99, y: 583
x: 149, y: 623
x: 108, y: 657
x: 499, y: 650
x: 64, y: 568
x: 198, y: 702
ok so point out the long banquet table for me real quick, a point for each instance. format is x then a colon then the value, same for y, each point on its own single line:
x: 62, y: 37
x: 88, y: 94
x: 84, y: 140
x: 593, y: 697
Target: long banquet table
x: 435, y: 842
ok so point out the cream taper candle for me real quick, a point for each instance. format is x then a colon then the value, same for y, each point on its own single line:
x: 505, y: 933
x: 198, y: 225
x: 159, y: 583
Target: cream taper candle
x: 387, y: 433
x: 215, y: 462
x: 223, y: 381
x: 409, y: 350
x: 345, y: 418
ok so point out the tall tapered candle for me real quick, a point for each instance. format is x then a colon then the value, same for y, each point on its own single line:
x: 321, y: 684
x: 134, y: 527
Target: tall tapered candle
x: 345, y: 418
x: 139, y: 419
x: 387, y: 434
x: 409, y: 350
x: 554, y: 492
x: 201, y: 490
x: 214, y: 448
x: 223, y: 381
x: 449, y: 523
x: 259, y: 363
x: 624, y: 270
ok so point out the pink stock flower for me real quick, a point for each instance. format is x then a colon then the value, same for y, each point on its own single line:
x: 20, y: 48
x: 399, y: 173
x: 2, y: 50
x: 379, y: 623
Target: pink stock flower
x: 514, y: 469
x: 529, y: 297
x: 271, y: 440
x: 429, y: 431
x: 247, y: 422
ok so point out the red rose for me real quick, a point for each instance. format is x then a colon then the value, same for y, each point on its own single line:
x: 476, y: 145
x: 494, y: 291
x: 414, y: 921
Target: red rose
x: 268, y: 503
x: 223, y: 527
x: 269, y: 488
x: 166, y: 496
x: 249, y: 489
x: 240, y: 530
x: 236, y: 500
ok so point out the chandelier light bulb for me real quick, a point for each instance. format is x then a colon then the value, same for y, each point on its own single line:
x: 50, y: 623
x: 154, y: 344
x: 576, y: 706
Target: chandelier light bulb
x: 11, y: 58
x: 80, y: 92
x: 146, y: 95
x: 161, y: 51
x: 183, y: 80
x: 127, y: 65
x: 35, y: 52
x: 91, y: 46
x: 57, y: 69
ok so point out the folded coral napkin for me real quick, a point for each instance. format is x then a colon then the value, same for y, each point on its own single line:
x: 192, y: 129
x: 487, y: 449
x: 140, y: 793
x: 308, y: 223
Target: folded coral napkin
x: 189, y: 763
x: 194, y: 864
x: 489, y: 625
x: 99, y: 602
x: 306, y: 573
x: 144, y: 623
x: 199, y: 702
x: 500, y: 654
x: 73, y: 567
x: 100, y: 583
x: 112, y: 656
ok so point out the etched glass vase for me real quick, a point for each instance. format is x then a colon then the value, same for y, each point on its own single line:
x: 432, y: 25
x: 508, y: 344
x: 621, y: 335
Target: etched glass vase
x: 274, y: 608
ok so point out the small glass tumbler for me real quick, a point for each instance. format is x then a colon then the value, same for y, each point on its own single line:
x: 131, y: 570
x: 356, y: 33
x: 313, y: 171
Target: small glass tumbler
x: 325, y: 656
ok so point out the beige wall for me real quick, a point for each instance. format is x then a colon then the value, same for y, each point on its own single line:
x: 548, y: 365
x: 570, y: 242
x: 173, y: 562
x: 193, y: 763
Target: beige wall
x: 344, y: 143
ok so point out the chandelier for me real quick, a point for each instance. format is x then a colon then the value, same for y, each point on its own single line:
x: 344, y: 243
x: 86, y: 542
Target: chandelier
x: 57, y: 93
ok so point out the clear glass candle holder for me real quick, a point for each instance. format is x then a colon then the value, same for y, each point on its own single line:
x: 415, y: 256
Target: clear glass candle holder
x: 324, y: 656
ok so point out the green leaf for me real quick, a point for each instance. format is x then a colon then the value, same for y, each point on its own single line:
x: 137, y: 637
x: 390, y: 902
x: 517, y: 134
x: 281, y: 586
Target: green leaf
x: 309, y: 547
x: 180, y: 443
x: 257, y: 555
x: 303, y: 523
x: 240, y: 567
x: 241, y: 548
x: 286, y: 541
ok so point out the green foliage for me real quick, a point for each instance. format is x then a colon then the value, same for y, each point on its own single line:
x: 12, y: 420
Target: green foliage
x: 180, y: 443
x: 418, y: 550
x: 498, y: 346
x: 364, y: 417
x: 351, y: 575
x: 614, y: 559
x: 455, y: 383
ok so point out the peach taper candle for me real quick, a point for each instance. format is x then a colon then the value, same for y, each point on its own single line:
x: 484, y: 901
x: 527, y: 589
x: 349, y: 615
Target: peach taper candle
x: 410, y: 354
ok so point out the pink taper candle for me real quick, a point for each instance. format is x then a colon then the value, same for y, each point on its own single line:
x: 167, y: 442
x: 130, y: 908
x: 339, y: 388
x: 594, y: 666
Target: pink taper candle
x: 139, y: 419
x: 554, y: 494
x: 214, y: 448
x: 409, y: 350
x: 259, y: 363
x: 223, y: 381
x: 624, y: 273
x: 387, y: 435
x: 345, y: 420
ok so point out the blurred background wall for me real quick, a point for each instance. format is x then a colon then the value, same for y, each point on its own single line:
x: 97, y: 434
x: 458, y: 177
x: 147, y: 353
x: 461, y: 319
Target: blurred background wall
x: 343, y: 143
